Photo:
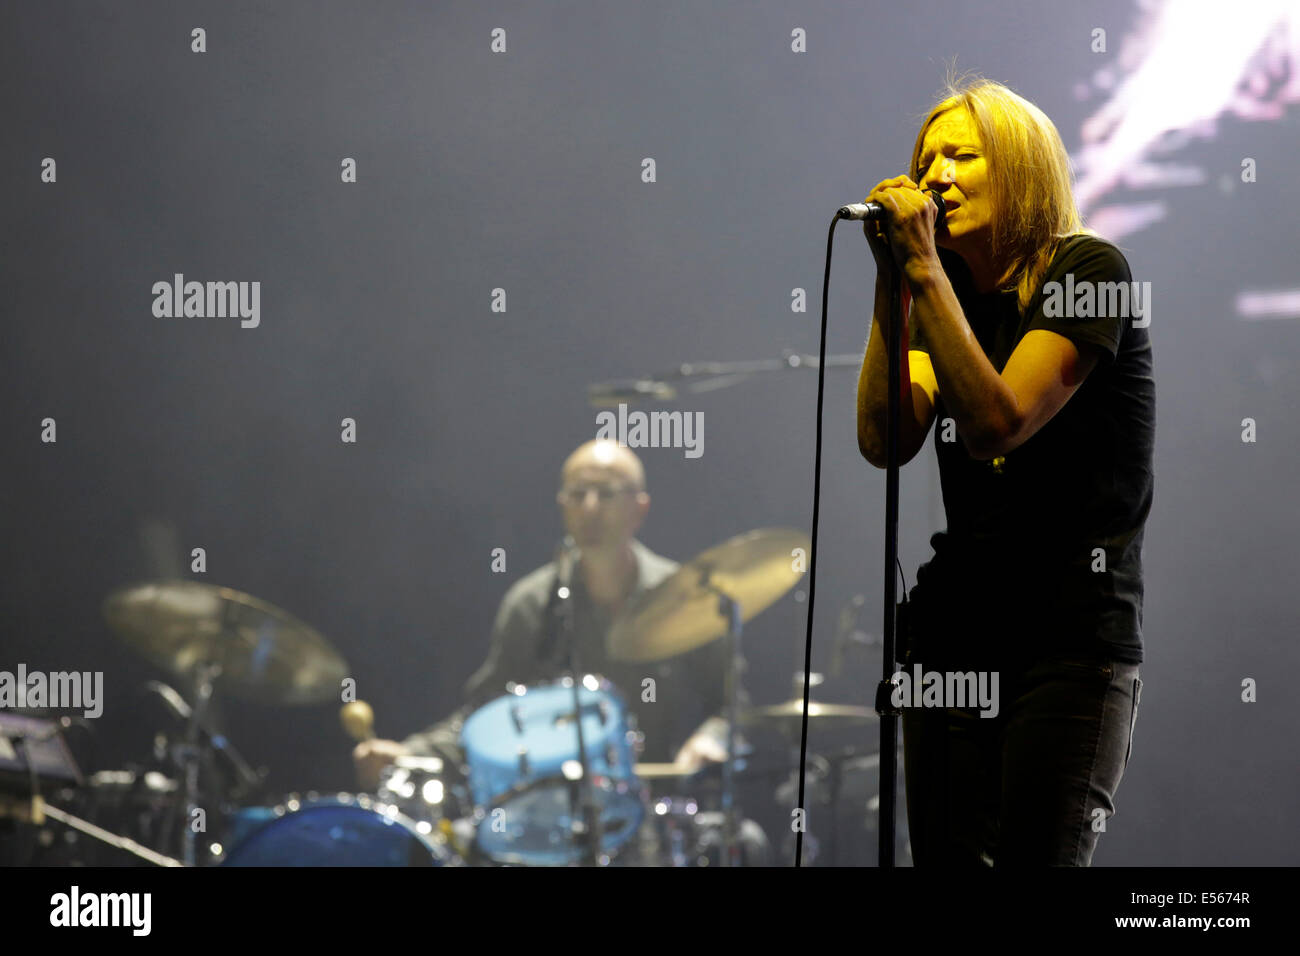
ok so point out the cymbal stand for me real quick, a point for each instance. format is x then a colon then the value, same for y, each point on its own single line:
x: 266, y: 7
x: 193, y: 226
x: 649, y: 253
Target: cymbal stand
x: 730, y: 609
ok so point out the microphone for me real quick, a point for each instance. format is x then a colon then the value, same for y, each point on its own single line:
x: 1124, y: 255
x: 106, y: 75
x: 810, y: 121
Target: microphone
x: 566, y: 557
x: 874, y: 210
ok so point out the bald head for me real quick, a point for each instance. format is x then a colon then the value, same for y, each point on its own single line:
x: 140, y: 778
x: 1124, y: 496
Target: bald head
x: 609, y: 457
x: 602, y: 496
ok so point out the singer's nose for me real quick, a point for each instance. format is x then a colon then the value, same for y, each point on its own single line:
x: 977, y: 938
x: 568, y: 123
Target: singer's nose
x: 941, y: 176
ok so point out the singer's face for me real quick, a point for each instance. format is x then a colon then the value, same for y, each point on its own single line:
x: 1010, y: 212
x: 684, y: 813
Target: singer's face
x: 953, y: 163
x: 601, y: 496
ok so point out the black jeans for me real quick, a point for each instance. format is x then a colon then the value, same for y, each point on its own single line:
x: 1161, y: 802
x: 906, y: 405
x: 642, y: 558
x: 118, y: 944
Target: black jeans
x: 1032, y: 786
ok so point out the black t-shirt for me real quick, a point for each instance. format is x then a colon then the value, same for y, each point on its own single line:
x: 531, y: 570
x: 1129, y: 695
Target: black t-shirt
x: 1016, y: 575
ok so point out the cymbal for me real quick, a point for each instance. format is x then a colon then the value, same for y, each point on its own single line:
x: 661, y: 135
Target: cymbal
x: 791, y: 713
x: 263, y: 652
x: 660, y: 771
x: 681, y: 613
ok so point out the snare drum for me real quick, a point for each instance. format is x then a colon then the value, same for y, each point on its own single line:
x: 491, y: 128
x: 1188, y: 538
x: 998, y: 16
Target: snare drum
x: 343, y: 830
x: 522, y: 752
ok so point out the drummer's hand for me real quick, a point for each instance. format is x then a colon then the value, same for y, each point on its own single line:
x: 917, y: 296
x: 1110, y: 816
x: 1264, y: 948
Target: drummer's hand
x: 371, y: 756
x: 699, y: 750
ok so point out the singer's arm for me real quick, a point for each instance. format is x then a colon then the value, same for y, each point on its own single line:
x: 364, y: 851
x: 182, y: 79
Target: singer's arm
x: 994, y: 413
x: 873, y: 391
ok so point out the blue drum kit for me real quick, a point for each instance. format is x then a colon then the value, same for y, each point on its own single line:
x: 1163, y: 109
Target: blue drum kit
x: 520, y: 788
x: 524, y: 774
x: 548, y: 775
x: 514, y: 802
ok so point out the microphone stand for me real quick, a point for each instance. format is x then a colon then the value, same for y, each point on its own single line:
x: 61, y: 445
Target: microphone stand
x: 884, y: 690
x: 889, y: 714
x: 585, y: 826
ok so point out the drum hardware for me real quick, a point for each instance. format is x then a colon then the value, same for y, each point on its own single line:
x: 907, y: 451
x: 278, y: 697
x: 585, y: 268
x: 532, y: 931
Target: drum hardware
x: 219, y: 639
x: 104, y: 836
x: 246, y: 779
x: 687, y: 836
x: 584, y: 821
x: 422, y: 789
x: 675, y: 827
x: 826, y: 777
x: 712, y: 596
x: 825, y: 772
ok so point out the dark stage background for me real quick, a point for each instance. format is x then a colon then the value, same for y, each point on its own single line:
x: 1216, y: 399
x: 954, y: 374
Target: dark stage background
x: 522, y: 171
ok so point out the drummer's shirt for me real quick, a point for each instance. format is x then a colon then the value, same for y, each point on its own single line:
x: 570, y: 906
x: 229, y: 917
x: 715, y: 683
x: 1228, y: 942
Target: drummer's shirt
x: 667, y: 700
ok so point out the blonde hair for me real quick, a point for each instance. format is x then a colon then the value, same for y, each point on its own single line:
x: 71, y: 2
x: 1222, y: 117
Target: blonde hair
x: 1029, y: 179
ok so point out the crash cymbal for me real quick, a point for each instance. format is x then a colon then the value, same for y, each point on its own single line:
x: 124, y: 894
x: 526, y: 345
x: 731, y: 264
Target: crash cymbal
x: 263, y: 652
x: 681, y: 613
x: 791, y: 713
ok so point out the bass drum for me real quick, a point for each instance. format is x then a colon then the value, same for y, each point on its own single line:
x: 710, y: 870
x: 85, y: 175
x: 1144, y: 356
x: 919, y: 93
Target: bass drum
x: 343, y: 830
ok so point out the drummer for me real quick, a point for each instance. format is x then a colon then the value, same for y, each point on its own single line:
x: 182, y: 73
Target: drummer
x: 675, y: 702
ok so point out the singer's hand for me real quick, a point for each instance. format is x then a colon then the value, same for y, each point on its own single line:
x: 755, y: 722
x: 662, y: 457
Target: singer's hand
x: 908, y: 235
x: 874, y: 229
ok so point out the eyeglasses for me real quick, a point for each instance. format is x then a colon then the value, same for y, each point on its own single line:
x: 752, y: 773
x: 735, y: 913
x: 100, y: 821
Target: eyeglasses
x: 577, y: 494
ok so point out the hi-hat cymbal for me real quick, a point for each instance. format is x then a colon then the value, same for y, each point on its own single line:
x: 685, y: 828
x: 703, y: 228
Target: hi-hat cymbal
x: 681, y: 614
x: 790, y: 714
x: 263, y: 652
